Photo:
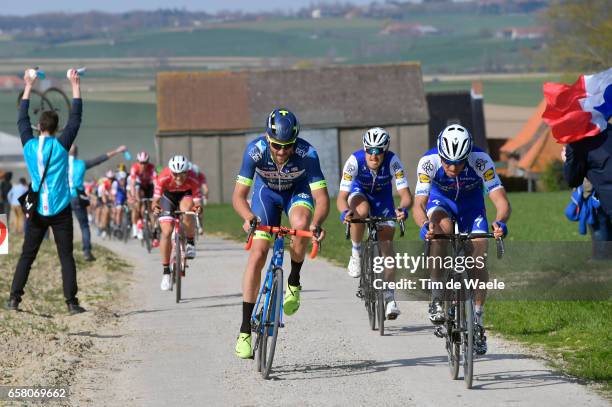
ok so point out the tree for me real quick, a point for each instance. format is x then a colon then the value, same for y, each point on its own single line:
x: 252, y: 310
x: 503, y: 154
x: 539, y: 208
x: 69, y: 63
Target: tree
x: 580, y: 34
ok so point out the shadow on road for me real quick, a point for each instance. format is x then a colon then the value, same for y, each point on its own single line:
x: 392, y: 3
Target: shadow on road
x: 517, y: 379
x: 89, y: 334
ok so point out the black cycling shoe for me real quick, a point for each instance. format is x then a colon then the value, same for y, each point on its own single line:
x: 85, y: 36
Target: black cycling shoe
x: 436, y: 313
x: 12, y: 304
x: 75, y: 308
x: 480, y: 340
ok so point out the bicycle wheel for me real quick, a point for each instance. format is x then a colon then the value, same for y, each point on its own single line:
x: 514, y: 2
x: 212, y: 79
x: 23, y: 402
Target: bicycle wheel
x: 271, y: 323
x: 468, y: 340
x: 146, y: 232
x: 453, y: 349
x: 125, y: 225
x: 178, y: 262
x: 366, y: 286
x: 379, y: 296
x: 257, y: 350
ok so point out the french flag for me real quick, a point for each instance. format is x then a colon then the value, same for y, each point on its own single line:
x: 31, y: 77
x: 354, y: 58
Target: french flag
x: 580, y: 110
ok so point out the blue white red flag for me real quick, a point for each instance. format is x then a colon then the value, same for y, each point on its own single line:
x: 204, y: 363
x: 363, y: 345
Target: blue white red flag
x: 580, y: 110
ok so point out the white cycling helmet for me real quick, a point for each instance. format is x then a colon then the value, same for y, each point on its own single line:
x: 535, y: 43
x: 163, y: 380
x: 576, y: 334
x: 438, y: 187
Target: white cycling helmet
x: 454, y: 143
x: 121, y: 175
x: 178, y: 164
x: 376, y: 137
x: 110, y: 174
x: 142, y: 157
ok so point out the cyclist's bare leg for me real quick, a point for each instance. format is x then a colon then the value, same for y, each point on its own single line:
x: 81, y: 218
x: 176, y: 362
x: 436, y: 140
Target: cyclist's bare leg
x: 186, y: 205
x: 438, y: 248
x: 361, y: 209
x: 251, y: 279
x: 299, y: 219
x: 165, y: 245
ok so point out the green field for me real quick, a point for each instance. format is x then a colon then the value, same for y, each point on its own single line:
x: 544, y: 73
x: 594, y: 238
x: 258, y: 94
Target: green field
x: 466, y: 43
x: 575, y: 335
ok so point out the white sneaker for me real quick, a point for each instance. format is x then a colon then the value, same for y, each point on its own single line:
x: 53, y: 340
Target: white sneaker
x: 392, y: 310
x: 354, y: 267
x: 139, y: 234
x: 166, y: 283
x: 190, y: 251
x: 103, y: 235
x: 134, y: 231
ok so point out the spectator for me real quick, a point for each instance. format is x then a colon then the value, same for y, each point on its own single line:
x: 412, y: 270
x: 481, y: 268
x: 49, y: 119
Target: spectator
x: 591, y: 157
x: 53, y: 208
x: 13, y: 197
x: 5, y: 187
x: 79, y: 200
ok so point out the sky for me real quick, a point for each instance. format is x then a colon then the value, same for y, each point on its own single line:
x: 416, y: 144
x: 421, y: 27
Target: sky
x: 39, y: 6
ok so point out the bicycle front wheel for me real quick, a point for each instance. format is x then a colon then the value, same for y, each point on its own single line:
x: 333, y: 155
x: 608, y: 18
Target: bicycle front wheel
x: 272, y: 323
x: 468, y: 341
x: 366, y: 286
x: 178, y: 264
x: 453, y: 348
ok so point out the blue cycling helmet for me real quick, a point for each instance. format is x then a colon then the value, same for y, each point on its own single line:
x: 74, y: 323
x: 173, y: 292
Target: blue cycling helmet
x: 282, y: 125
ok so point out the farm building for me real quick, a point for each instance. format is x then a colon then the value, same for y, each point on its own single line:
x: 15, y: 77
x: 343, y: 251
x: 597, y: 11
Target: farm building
x: 211, y: 116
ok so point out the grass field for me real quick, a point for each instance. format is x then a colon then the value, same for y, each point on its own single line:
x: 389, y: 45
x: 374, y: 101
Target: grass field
x: 466, y: 40
x: 575, y: 335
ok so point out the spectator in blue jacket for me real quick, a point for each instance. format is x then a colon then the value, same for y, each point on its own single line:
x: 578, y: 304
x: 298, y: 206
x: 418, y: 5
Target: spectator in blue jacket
x: 591, y: 157
x: 54, y: 194
x: 76, y: 177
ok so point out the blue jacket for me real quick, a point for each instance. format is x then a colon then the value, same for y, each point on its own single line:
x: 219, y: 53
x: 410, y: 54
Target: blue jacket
x: 55, y: 191
x: 592, y: 158
x: 582, y: 210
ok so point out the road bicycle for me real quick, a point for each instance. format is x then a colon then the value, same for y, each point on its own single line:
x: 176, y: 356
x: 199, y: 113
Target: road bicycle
x: 460, y: 329
x: 267, y: 315
x: 178, y: 260
x: 373, y: 298
x: 149, y: 225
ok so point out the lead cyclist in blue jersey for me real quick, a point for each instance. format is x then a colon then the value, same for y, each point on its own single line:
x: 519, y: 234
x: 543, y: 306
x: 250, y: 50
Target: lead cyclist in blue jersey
x: 451, y: 179
x: 289, y: 179
x: 366, y: 189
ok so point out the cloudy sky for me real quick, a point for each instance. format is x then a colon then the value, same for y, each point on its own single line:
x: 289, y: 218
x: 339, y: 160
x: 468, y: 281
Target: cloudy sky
x: 39, y: 6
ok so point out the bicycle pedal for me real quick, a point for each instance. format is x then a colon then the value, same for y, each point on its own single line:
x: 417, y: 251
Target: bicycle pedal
x: 281, y: 325
x: 359, y: 293
x: 439, y: 332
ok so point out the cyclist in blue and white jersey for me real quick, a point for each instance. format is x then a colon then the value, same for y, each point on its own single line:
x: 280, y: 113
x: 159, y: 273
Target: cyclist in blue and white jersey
x: 366, y: 189
x: 119, y: 196
x: 289, y: 179
x: 451, y: 180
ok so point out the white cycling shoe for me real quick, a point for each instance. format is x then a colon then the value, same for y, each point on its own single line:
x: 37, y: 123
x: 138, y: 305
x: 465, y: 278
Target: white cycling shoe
x: 190, y: 251
x: 354, y: 267
x: 392, y: 310
x: 166, y: 283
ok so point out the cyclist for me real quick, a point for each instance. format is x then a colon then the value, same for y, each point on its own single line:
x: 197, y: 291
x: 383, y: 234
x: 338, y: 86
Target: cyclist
x: 105, y: 200
x: 119, y: 196
x: 140, y: 185
x: 366, y: 189
x: 176, y: 188
x: 451, y: 179
x: 288, y: 178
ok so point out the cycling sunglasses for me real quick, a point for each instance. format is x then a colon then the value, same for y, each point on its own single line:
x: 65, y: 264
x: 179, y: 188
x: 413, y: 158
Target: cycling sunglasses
x: 374, y: 150
x: 447, y: 162
x: 280, y: 146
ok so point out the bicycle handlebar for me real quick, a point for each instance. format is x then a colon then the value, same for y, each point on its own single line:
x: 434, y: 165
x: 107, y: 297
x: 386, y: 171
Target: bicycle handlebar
x: 373, y: 220
x: 468, y: 236
x: 282, y: 231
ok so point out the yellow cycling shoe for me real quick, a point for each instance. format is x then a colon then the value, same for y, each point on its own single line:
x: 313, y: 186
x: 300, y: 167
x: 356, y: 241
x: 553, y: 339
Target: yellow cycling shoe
x: 243, y: 346
x: 292, y: 299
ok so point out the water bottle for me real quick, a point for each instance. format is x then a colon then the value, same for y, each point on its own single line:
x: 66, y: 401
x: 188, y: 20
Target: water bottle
x: 36, y: 72
x: 81, y: 71
x: 127, y: 155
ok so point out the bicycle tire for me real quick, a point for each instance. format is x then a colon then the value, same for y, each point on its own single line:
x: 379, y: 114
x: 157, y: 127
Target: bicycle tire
x: 380, y: 296
x: 178, y: 254
x: 146, y: 233
x: 125, y: 225
x: 274, y: 309
x: 366, y: 267
x: 258, y: 341
x: 453, y: 350
x: 468, y: 341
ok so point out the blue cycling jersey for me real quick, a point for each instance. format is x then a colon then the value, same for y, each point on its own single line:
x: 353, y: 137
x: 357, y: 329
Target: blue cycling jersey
x: 357, y: 174
x: 479, y: 173
x: 55, y: 191
x: 302, y: 166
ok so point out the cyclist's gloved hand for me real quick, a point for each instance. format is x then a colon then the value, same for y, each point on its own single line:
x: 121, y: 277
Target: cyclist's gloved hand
x: 424, y: 230
x: 500, y: 226
x: 344, y: 214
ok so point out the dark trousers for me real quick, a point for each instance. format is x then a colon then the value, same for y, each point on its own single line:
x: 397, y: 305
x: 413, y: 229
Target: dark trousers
x: 34, y: 234
x: 601, y: 235
x: 81, y: 215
